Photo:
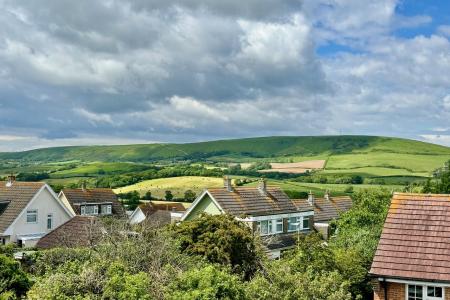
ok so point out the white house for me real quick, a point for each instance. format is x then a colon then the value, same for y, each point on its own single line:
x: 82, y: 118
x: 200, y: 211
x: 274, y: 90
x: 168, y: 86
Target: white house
x: 268, y: 211
x: 28, y: 211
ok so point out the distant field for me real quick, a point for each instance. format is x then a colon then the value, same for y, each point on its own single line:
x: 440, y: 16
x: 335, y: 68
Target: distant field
x: 297, y: 167
x: 177, y: 185
x: 99, y: 168
x: 319, y: 189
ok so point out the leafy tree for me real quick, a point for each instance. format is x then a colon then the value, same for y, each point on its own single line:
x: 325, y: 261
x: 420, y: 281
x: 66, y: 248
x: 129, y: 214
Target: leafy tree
x: 207, y: 283
x: 189, y: 196
x: 148, y: 196
x: 13, y: 280
x: 168, y: 196
x: 122, y: 285
x: 441, y: 185
x: 220, y: 239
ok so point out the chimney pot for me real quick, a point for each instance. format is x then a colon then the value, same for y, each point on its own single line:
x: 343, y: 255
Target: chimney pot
x: 227, y: 183
x: 311, y: 198
x: 83, y: 186
x: 327, y: 195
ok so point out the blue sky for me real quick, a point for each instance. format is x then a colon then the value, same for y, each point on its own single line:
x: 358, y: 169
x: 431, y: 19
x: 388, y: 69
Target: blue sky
x: 115, y: 72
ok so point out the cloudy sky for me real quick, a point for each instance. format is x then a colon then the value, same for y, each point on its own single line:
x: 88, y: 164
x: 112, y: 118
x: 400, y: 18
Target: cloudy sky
x: 112, y: 72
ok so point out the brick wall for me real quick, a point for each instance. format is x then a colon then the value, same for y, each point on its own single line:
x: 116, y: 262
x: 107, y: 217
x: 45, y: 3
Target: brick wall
x: 396, y: 291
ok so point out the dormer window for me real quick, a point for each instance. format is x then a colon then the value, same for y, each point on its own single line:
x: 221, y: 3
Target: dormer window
x: 266, y: 227
x: 89, y: 210
x: 106, y: 209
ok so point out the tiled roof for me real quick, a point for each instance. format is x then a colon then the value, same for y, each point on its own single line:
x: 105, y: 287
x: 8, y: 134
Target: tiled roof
x: 252, y: 201
x: 325, y: 209
x: 97, y: 195
x: 78, y: 231
x: 415, y: 242
x: 169, y: 206
x: 14, y: 199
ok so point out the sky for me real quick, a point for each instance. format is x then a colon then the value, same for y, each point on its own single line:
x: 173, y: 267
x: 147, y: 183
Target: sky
x: 119, y: 72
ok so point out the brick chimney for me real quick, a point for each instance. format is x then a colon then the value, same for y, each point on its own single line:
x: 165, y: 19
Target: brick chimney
x: 83, y: 186
x: 227, y: 183
x: 327, y: 195
x: 311, y: 198
x: 262, y: 187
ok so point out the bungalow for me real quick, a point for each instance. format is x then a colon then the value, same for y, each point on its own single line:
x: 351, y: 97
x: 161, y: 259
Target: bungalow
x: 267, y: 210
x: 92, y: 202
x: 158, y: 213
x: 326, y: 209
x: 29, y: 210
x: 412, y: 259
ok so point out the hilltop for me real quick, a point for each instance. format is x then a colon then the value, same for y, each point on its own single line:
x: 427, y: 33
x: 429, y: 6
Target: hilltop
x: 247, y: 149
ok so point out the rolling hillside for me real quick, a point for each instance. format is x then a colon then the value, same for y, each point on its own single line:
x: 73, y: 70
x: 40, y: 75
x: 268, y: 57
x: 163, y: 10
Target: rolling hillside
x: 233, y: 150
x: 368, y: 156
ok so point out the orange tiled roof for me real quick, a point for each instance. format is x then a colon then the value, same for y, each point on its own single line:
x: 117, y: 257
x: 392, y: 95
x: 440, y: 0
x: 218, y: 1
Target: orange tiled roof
x: 415, y: 242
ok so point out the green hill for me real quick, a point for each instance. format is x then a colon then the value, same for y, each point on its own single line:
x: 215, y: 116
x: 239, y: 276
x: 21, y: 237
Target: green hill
x: 247, y: 149
x: 368, y: 156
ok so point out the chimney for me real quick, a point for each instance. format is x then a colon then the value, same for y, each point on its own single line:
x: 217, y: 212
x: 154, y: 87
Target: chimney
x: 262, y: 185
x: 227, y: 183
x: 83, y: 186
x: 311, y: 198
x: 327, y: 195
x: 10, y: 181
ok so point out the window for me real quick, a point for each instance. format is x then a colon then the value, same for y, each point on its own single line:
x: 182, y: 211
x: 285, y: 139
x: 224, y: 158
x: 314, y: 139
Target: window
x: 305, y: 223
x: 415, y: 292
x: 293, y: 223
x: 279, y: 225
x: 434, y: 291
x: 106, y: 209
x: 49, y: 221
x: 270, y: 226
x: 89, y: 210
x: 32, y: 216
x: 419, y: 292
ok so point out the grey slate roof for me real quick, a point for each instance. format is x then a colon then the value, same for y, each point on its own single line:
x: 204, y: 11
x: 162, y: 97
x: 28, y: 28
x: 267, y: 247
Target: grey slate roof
x: 251, y: 201
x: 97, y: 195
x: 14, y: 199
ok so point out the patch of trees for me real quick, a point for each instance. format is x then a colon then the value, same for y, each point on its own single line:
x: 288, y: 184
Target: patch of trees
x: 441, y: 183
x: 36, y: 176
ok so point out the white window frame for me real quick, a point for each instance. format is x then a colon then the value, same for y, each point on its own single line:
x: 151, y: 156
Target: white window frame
x: 32, y: 212
x: 95, y: 209
x: 83, y: 210
x: 50, y: 217
x: 271, y: 226
x: 303, y: 222
x: 425, y: 291
x: 108, y: 209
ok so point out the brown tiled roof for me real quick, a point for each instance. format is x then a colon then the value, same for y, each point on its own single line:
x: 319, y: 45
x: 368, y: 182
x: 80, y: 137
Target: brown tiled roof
x: 14, y: 199
x: 77, y: 232
x: 97, y: 195
x: 415, y: 242
x: 251, y: 201
x: 329, y: 209
x: 169, y: 206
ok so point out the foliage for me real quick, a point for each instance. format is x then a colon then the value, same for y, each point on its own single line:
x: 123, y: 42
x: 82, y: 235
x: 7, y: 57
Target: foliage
x: 208, y: 283
x: 168, y: 195
x: 131, y: 199
x: 37, y: 176
x: 220, y: 239
x: 122, y: 285
x: 13, y: 280
x: 441, y: 185
x: 189, y: 196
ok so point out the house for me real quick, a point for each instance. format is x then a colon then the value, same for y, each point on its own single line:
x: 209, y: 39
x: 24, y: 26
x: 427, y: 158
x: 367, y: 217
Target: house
x: 326, y: 209
x: 29, y: 210
x: 412, y: 260
x: 92, y: 202
x: 80, y: 231
x: 265, y: 209
x: 158, y: 212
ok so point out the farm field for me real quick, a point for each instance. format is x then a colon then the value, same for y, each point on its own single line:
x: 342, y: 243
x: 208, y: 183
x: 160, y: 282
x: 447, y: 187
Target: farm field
x: 177, y: 185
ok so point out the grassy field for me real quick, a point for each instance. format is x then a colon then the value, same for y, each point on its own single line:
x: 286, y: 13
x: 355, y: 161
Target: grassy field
x: 177, y: 185
x: 100, y: 168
